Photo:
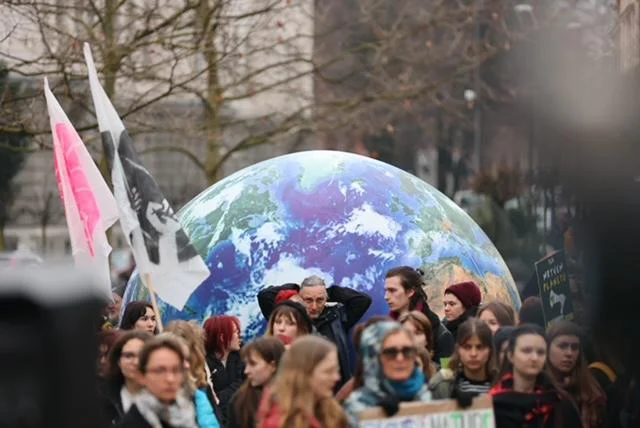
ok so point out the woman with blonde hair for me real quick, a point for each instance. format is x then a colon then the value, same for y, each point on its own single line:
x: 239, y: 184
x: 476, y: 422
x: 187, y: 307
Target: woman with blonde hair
x: 302, y: 393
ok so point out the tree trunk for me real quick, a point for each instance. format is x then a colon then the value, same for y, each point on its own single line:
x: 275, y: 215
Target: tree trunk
x: 212, y: 117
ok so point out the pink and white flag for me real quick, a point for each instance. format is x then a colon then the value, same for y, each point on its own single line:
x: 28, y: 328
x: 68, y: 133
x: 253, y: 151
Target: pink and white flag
x: 89, y: 206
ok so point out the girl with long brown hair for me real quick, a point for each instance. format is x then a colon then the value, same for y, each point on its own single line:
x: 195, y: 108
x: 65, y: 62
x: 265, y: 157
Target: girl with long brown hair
x: 302, y: 392
x: 419, y: 326
x: 472, y: 368
x: 261, y: 359
x: 289, y: 319
x: 569, y: 367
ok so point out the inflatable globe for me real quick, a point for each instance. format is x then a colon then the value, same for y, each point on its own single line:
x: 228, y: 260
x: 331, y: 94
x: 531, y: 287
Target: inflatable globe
x: 344, y: 217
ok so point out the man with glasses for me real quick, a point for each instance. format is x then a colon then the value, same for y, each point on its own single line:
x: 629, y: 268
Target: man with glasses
x: 333, y: 310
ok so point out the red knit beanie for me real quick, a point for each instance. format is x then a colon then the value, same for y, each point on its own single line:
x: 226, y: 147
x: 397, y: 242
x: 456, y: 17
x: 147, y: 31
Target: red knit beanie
x: 284, y: 295
x: 467, y: 292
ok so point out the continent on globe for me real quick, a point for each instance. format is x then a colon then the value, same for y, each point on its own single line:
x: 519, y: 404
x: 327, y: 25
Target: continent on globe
x: 341, y: 216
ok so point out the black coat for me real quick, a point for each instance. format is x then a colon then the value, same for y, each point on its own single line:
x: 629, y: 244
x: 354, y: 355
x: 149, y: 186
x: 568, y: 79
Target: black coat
x: 345, y: 307
x: 112, y: 411
x: 225, y: 380
x: 133, y: 419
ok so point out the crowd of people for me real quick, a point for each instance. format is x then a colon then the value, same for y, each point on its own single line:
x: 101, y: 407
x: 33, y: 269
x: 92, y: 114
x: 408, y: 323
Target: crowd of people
x: 300, y: 374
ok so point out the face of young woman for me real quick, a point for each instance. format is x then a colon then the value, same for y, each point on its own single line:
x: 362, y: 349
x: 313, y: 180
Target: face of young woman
x: 146, y: 322
x: 474, y: 354
x: 164, y: 376
x: 128, y: 361
x: 453, y: 307
x: 398, y: 356
x: 234, y: 345
x: 285, y: 325
x: 529, y: 355
x: 325, y: 376
x: 491, y: 320
x: 257, y: 370
x: 564, y: 352
x: 419, y: 337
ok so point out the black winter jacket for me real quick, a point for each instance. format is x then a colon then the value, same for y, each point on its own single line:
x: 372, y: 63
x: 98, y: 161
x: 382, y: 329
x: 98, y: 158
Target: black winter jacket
x: 112, y: 411
x: 345, y: 307
x: 226, y: 381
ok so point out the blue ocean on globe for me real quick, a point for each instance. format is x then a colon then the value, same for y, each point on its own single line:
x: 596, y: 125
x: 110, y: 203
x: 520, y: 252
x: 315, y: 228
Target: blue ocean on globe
x: 344, y: 217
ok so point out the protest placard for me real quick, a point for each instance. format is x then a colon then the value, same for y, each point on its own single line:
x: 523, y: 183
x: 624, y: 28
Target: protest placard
x: 434, y: 414
x: 553, y: 283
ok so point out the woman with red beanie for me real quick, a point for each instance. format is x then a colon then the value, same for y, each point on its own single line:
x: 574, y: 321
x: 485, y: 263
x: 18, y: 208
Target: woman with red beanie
x: 460, y: 302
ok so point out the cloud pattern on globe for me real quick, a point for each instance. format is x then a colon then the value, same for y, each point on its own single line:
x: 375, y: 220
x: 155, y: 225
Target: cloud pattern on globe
x: 344, y: 217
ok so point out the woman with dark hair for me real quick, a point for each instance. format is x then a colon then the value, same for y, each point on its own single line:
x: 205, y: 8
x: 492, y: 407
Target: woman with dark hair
x: 261, y: 358
x: 163, y: 402
x: 472, y: 368
x: 139, y: 316
x: 497, y: 314
x: 106, y: 340
x: 222, y: 343
x: 122, y: 376
x: 404, y: 293
x: 526, y: 395
x: 460, y: 302
x: 501, y: 342
x: 289, y: 319
x: 569, y: 367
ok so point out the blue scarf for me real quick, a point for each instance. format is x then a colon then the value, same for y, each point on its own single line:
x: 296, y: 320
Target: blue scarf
x: 408, y: 389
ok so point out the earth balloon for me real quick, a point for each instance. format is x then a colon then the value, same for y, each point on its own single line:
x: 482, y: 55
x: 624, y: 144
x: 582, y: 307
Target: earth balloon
x: 341, y: 216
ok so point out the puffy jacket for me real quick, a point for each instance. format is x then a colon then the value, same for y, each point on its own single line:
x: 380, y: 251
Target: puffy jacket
x: 204, y: 411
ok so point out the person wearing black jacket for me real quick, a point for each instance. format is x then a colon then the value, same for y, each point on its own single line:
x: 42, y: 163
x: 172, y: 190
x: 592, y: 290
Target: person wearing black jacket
x: 403, y: 293
x: 334, y: 310
x: 460, y: 303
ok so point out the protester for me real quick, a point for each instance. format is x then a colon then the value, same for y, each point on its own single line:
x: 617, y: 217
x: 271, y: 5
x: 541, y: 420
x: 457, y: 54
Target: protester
x: 333, y: 310
x: 356, y: 380
x: 222, y: 343
x: 106, y: 340
x: 139, y: 316
x: 472, y: 368
x: 112, y: 312
x: 531, y: 312
x: 289, y: 319
x: 302, y: 392
x: 391, y: 374
x: 419, y: 326
x: 404, y: 293
x: 460, y: 302
x: 497, y: 314
x: 193, y: 336
x: 261, y: 358
x: 122, y: 380
x: 163, y: 402
x: 525, y: 394
x: 568, y: 365
x: 501, y: 342
x: 417, y: 323
x: 205, y: 414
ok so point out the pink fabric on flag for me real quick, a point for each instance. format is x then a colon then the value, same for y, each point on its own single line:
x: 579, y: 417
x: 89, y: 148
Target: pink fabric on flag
x: 82, y: 193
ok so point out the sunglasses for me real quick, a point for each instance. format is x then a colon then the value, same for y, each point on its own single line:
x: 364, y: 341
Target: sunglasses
x: 407, y: 352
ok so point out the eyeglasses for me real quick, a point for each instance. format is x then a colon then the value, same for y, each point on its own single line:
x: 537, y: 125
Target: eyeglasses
x: 407, y: 352
x: 164, y: 371
x: 128, y: 355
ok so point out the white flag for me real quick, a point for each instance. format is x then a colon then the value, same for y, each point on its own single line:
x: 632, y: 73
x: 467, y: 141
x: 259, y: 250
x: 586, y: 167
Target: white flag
x: 161, y: 248
x: 90, y: 208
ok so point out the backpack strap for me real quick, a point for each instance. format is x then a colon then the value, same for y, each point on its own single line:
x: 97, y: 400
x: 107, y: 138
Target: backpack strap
x: 608, y: 371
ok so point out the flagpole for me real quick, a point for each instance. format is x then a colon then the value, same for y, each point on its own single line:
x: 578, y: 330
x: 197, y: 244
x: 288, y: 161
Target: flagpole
x: 154, y: 302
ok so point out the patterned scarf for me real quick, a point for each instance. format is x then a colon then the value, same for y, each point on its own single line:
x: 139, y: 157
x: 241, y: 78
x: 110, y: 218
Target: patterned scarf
x: 538, y: 404
x: 180, y: 414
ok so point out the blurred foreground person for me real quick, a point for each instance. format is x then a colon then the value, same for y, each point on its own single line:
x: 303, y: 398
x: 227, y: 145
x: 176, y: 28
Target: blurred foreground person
x: 391, y: 373
x: 163, y: 402
x: 569, y: 367
x: 139, y: 316
x: 302, y: 392
x: 472, y: 368
x: 403, y: 293
x: 122, y: 382
x: 261, y: 358
x: 526, y: 395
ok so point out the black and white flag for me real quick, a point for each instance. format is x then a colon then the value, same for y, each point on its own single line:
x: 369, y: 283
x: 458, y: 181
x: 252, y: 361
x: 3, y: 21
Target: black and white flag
x: 160, y: 246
